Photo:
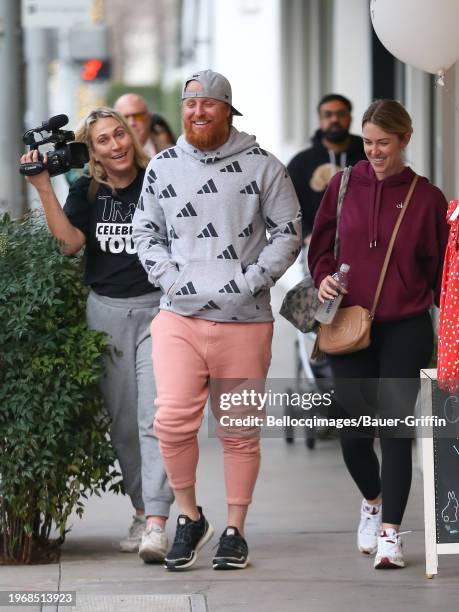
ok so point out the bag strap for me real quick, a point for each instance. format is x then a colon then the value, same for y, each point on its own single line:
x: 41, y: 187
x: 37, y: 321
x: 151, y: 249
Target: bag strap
x: 92, y: 190
x: 391, y: 245
x: 341, y: 195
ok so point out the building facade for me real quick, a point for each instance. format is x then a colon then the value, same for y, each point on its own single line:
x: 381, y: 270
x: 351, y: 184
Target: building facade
x: 281, y: 56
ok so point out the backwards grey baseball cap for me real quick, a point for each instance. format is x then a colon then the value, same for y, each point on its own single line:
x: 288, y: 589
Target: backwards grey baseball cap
x: 214, y: 85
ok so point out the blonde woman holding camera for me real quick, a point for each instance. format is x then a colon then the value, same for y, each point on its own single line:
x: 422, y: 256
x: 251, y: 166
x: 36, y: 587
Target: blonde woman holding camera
x: 97, y: 216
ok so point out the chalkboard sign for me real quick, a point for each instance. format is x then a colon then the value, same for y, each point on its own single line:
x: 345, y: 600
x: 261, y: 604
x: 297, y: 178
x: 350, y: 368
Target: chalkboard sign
x: 446, y: 465
x: 440, y: 458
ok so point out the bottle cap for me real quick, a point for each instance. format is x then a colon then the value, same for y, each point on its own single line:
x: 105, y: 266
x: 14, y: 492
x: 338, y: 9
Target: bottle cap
x: 344, y: 268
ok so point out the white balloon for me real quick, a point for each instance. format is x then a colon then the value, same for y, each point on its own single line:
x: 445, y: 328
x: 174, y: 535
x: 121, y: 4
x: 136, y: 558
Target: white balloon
x: 422, y: 33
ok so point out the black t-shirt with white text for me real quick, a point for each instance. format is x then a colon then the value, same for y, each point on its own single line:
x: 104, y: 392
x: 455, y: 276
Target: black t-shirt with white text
x: 112, y: 266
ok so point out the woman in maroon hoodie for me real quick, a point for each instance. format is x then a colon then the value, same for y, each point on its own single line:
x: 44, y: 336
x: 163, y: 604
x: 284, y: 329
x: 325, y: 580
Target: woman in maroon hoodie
x: 387, y: 371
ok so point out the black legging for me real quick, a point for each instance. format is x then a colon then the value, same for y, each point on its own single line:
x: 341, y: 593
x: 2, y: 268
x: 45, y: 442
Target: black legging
x: 398, y: 350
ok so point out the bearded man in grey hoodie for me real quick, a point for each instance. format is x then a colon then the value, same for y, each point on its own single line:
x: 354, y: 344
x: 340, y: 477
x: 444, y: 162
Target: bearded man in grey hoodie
x: 217, y: 224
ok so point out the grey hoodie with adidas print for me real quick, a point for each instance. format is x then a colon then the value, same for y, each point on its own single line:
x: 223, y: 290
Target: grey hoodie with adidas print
x: 200, y: 228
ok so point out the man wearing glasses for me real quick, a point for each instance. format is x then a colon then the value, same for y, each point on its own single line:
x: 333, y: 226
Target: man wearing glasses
x: 333, y: 148
x: 135, y: 110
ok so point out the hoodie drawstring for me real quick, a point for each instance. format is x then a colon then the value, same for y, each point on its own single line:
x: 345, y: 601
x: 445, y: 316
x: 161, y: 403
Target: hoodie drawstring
x: 333, y: 162
x: 374, y: 214
x: 332, y: 158
x: 376, y: 208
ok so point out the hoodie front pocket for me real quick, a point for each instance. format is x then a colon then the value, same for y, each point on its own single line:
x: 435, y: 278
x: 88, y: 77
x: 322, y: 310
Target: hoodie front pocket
x: 404, y: 284
x: 217, y: 287
x: 176, y: 284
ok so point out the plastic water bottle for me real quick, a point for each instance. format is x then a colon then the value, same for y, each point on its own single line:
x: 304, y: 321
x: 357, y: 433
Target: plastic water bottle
x: 326, y: 311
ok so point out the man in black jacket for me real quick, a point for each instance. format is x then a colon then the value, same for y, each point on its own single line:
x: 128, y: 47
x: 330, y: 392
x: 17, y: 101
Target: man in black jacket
x: 333, y: 148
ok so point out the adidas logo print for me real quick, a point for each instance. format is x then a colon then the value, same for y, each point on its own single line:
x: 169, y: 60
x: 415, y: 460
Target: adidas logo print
x: 168, y: 154
x: 151, y: 178
x: 228, y: 253
x: 230, y: 287
x: 140, y: 204
x: 251, y: 189
x: 208, y: 232
x: 210, y: 306
x: 172, y: 233
x: 247, y: 231
x: 290, y: 229
x: 270, y: 223
x: 209, y: 187
x: 187, y: 289
x: 258, y: 151
x: 234, y: 167
x: 188, y: 211
x: 149, y: 264
x: 169, y: 192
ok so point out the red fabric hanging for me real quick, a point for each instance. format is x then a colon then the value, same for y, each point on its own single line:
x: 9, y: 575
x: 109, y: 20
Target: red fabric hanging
x: 448, y: 328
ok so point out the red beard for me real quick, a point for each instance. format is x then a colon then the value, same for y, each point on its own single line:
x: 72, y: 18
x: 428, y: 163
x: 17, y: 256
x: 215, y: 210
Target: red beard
x: 208, y: 140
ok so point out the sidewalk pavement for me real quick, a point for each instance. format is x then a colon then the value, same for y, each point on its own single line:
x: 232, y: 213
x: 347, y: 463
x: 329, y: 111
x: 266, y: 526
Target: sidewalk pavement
x: 301, y: 534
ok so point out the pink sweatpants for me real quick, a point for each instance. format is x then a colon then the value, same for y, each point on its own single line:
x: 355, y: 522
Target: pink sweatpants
x: 187, y: 352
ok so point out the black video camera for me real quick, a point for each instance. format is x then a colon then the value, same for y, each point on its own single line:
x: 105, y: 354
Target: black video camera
x: 66, y: 154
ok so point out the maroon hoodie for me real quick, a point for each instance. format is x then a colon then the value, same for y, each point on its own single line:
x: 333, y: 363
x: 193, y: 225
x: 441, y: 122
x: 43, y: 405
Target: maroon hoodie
x: 368, y: 216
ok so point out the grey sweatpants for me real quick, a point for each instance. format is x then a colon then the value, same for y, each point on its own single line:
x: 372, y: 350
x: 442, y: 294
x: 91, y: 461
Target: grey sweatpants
x: 129, y: 391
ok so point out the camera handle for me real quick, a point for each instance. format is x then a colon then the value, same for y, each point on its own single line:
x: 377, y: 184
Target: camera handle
x: 33, y: 168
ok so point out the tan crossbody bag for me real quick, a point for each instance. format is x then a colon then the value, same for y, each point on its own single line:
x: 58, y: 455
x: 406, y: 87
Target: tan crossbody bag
x: 350, y: 329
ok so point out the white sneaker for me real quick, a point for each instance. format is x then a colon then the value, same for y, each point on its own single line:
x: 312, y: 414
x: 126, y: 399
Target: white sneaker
x: 154, y: 545
x: 369, y: 528
x: 390, y: 554
x: 132, y: 541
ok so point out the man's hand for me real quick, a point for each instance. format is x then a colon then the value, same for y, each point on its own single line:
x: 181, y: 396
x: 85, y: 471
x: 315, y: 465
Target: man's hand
x: 329, y: 289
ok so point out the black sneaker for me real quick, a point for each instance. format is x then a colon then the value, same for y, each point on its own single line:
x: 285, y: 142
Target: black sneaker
x: 232, y: 552
x: 190, y: 536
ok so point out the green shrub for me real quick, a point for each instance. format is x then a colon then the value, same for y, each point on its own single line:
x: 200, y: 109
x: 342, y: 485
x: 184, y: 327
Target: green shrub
x: 54, y: 447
